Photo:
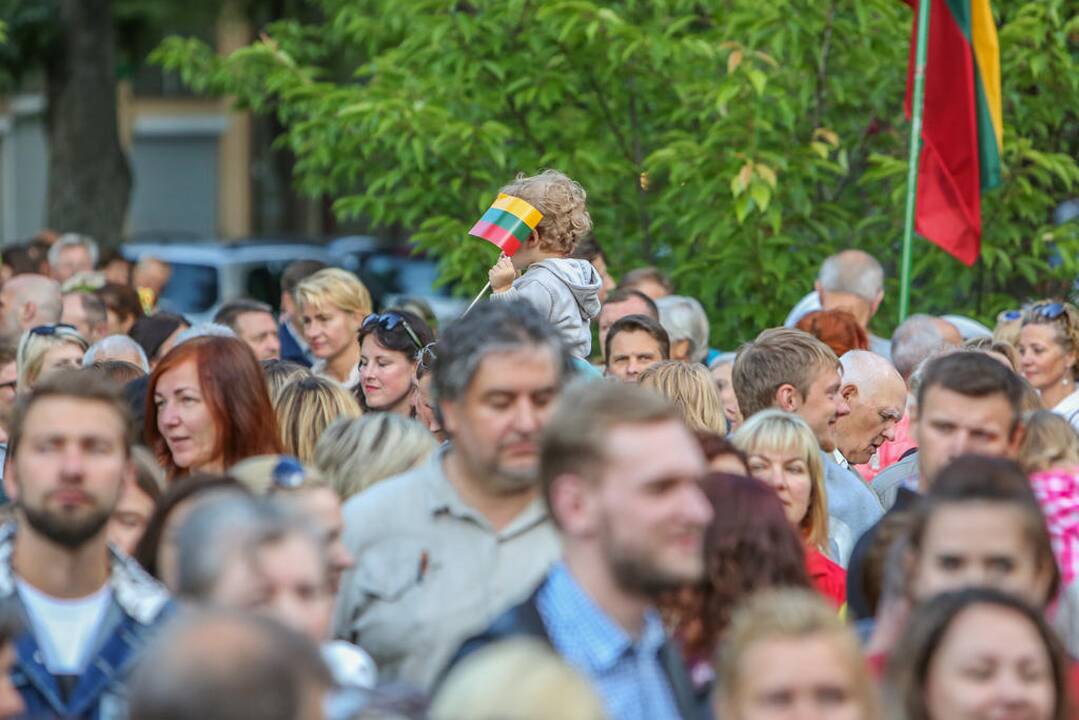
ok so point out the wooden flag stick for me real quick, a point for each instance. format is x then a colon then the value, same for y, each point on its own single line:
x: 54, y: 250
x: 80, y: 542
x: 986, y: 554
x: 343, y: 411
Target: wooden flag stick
x: 478, y: 298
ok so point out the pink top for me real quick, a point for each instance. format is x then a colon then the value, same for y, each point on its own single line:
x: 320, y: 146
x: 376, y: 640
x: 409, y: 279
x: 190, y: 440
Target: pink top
x: 1058, y: 493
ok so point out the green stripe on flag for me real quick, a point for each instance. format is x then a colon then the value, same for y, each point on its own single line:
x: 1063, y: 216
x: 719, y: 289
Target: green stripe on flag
x: 988, y: 152
x: 508, y: 221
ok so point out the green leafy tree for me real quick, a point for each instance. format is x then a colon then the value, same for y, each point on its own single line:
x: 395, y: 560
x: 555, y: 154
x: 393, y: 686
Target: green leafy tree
x: 735, y: 143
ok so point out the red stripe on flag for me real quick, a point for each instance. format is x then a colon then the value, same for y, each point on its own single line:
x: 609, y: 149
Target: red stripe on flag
x: 498, y: 236
x: 949, y: 187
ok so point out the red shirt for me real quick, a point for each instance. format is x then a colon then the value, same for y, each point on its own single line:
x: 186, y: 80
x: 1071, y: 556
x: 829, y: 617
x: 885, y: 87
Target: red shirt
x: 828, y: 578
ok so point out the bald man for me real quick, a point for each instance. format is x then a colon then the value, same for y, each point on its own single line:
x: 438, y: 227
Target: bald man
x: 877, y: 397
x: 27, y: 301
x: 853, y: 280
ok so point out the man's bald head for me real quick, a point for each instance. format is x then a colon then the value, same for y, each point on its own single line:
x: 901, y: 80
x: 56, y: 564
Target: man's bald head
x: 27, y: 301
x: 851, y: 280
x: 877, y: 396
x: 228, y: 666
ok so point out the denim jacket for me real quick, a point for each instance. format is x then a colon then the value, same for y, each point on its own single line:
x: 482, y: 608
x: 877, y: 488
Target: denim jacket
x: 139, y: 603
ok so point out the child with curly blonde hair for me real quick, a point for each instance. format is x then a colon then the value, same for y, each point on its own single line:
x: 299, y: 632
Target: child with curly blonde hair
x: 565, y: 290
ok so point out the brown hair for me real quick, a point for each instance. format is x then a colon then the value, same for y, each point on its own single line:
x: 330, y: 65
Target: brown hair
x: 837, y: 329
x: 908, y: 669
x: 638, y: 323
x: 972, y: 373
x: 562, y: 201
x: 119, y: 371
x: 779, y: 356
x: 77, y: 384
x: 646, y: 274
x: 749, y: 546
x: 979, y: 479
x: 234, y: 391
x: 574, y: 441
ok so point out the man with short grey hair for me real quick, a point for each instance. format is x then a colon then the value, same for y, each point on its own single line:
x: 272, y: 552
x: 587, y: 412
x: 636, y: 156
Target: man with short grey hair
x: 443, y: 549
x: 254, y: 323
x: 117, y: 347
x: 853, y: 280
x: 87, y: 314
x: 72, y: 254
x: 27, y: 301
x: 687, y: 326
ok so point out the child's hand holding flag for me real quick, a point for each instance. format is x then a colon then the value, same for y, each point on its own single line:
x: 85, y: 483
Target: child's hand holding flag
x: 502, y: 274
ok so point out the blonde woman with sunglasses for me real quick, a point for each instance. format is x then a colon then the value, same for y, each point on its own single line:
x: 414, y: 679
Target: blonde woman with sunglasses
x: 1049, y: 356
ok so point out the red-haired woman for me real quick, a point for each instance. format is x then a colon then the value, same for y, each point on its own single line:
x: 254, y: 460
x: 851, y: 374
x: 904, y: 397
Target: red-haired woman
x: 749, y: 546
x: 837, y: 329
x: 207, y: 408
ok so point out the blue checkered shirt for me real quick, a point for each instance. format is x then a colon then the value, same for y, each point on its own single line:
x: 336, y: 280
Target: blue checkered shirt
x: 627, y: 673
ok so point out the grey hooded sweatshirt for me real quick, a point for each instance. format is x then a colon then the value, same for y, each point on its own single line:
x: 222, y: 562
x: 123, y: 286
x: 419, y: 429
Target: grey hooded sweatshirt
x: 566, y: 292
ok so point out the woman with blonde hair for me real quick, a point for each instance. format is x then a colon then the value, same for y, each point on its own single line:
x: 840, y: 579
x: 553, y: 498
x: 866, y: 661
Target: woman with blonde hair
x: 784, y: 454
x: 279, y: 373
x: 691, y: 387
x: 306, y: 407
x: 332, y: 305
x: 354, y: 454
x: 516, y: 679
x: 1049, y: 356
x: 45, y: 348
x: 786, y: 649
x: 1049, y: 442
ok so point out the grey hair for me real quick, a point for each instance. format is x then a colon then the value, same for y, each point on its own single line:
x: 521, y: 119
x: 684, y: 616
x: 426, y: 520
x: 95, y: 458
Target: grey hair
x: 115, y: 344
x: 356, y: 453
x: 684, y: 319
x: 852, y: 271
x: 915, y: 340
x: 491, y: 327
x: 68, y: 240
x: 204, y: 330
x: 224, y: 523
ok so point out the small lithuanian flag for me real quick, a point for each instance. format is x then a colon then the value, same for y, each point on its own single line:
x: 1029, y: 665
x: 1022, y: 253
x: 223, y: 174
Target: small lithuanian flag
x: 963, y: 126
x: 507, y: 223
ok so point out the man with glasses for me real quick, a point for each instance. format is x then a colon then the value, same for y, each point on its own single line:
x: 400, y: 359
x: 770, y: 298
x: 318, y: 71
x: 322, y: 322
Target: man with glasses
x: 443, y: 549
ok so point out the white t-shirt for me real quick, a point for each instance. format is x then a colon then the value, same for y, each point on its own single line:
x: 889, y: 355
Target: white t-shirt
x: 65, y: 629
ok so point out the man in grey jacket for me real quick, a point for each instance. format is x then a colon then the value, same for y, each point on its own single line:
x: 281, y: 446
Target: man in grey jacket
x: 793, y: 371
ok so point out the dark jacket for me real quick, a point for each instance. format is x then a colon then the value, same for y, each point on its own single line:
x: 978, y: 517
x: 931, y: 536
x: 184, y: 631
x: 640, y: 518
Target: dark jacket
x: 525, y: 620
x: 290, y: 349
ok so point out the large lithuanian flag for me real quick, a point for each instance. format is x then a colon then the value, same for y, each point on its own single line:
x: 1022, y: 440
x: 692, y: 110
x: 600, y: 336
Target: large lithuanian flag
x: 962, y: 126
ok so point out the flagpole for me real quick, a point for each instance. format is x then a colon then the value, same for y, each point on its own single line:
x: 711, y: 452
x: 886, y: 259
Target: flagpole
x: 915, y: 149
x: 473, y: 303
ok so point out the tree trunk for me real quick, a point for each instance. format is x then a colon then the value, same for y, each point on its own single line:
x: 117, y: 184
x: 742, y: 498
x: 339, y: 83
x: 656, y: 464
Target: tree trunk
x: 89, y: 177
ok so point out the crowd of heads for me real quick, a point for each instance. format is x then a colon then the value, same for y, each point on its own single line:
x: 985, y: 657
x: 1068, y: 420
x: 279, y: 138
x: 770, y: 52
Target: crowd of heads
x: 318, y: 508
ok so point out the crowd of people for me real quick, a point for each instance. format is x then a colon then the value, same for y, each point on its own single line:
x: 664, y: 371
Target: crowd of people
x: 331, y: 510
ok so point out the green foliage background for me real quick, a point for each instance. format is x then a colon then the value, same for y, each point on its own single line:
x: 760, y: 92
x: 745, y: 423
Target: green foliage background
x: 734, y: 143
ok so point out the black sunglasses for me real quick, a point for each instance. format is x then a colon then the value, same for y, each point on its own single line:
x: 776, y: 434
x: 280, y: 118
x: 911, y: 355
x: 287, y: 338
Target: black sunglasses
x: 1049, y: 311
x: 47, y: 330
x: 391, y: 321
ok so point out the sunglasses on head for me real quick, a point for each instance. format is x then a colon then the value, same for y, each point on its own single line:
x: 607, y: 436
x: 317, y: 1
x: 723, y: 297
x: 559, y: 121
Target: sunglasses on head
x: 391, y: 321
x: 1049, y: 311
x: 288, y: 474
x: 47, y: 330
x: 1011, y: 315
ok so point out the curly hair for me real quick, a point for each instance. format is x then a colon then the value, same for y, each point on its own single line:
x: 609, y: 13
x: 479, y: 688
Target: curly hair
x: 749, y: 546
x: 562, y: 201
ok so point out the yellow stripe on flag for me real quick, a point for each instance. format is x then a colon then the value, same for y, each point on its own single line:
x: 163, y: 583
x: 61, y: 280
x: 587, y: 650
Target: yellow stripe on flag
x: 983, y: 32
x: 516, y: 206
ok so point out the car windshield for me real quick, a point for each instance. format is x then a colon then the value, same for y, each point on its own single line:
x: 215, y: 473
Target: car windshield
x: 393, y: 275
x: 191, y: 289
